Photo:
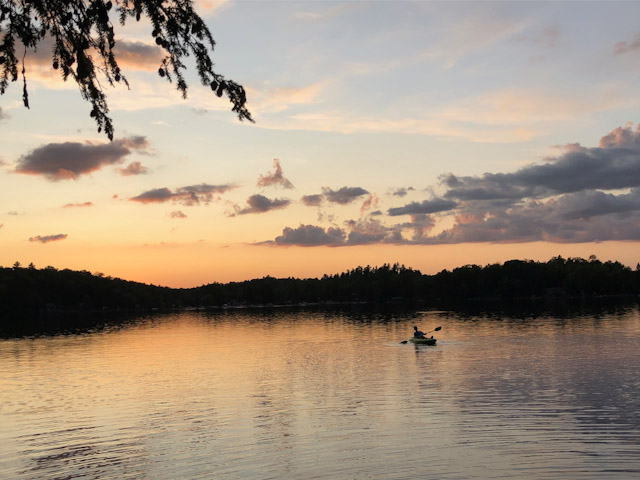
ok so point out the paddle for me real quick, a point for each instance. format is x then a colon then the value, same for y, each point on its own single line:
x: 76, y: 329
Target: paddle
x: 437, y: 329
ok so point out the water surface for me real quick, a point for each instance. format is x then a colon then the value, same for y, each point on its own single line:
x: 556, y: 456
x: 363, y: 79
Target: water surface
x: 279, y: 394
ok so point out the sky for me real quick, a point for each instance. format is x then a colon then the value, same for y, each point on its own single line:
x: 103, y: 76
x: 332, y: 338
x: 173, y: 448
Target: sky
x: 432, y: 134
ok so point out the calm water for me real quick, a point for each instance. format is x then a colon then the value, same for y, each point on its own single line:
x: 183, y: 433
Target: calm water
x: 325, y: 395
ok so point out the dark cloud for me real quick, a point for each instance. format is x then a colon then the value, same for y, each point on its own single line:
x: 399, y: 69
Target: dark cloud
x: 12, y: 212
x: 156, y: 195
x: 77, y: 204
x: 402, y: 191
x: 425, y: 207
x: 615, y: 164
x: 573, y: 218
x: 69, y: 160
x: 586, y: 205
x: 48, y: 238
x: 188, y: 196
x: 262, y: 204
x: 177, y: 214
x: 344, y: 195
x: 311, y: 236
x: 626, y: 47
x: 274, y: 178
x: 362, y: 232
x: 357, y: 232
x: 134, y: 168
x: 582, y: 195
x: 312, y: 200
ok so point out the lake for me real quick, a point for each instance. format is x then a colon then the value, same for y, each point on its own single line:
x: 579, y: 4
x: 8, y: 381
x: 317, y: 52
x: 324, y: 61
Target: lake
x: 283, y: 394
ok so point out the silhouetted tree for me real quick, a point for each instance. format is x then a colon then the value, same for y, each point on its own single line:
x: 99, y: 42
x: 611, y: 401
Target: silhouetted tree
x: 84, y: 40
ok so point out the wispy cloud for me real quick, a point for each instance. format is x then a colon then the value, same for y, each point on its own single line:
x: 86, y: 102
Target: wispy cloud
x: 324, y: 13
x: 213, y: 5
x: 78, y: 204
x: 621, y: 48
x: 275, y: 178
x: 177, y: 214
x: 134, y: 168
x: 188, y: 196
x: 348, y: 123
x: 48, y: 238
x: 272, y: 100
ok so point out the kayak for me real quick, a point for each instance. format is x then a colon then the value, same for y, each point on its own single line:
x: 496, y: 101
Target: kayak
x: 423, y: 341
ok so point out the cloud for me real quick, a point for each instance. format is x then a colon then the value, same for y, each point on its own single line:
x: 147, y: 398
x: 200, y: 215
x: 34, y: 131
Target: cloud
x: 424, y: 207
x: 363, y: 232
x: 3, y: 115
x: 274, y: 178
x: 275, y: 100
x: 615, y: 164
x: 77, y: 204
x: 212, y: 5
x: 156, y: 195
x: 138, y: 55
x: 370, y: 203
x: 585, y: 194
x: 12, y: 212
x: 357, y: 232
x: 310, y: 236
x: 548, y: 37
x: 177, y: 214
x: 134, y: 168
x: 188, y: 196
x: 326, y: 14
x: 344, y: 195
x: 312, y: 200
x: 402, y: 191
x: 444, y: 124
x: 262, y: 204
x: 48, y: 238
x: 70, y: 160
x: 576, y: 218
x: 621, y: 48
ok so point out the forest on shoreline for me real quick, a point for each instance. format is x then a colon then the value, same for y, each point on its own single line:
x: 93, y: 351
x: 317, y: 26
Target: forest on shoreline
x: 31, y: 293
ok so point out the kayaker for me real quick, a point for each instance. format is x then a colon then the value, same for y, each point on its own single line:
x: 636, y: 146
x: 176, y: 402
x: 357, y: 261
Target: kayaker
x: 417, y: 333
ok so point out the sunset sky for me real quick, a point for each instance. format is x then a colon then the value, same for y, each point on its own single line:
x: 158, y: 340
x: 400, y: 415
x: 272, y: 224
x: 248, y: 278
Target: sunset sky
x: 433, y: 134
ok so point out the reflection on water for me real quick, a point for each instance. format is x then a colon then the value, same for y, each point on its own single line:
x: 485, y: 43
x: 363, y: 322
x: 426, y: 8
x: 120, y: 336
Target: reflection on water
x: 326, y: 395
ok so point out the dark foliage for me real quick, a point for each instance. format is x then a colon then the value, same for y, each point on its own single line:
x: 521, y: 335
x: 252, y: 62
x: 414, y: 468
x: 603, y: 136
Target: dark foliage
x: 44, y: 292
x: 83, y: 40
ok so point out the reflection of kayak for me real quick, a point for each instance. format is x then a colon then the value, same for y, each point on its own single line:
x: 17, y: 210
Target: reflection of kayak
x: 423, y: 341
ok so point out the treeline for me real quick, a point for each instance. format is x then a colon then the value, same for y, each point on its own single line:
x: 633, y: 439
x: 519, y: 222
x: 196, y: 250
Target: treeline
x: 36, y: 292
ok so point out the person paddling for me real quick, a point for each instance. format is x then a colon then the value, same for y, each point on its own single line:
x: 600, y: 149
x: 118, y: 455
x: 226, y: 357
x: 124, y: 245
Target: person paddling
x: 417, y: 333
